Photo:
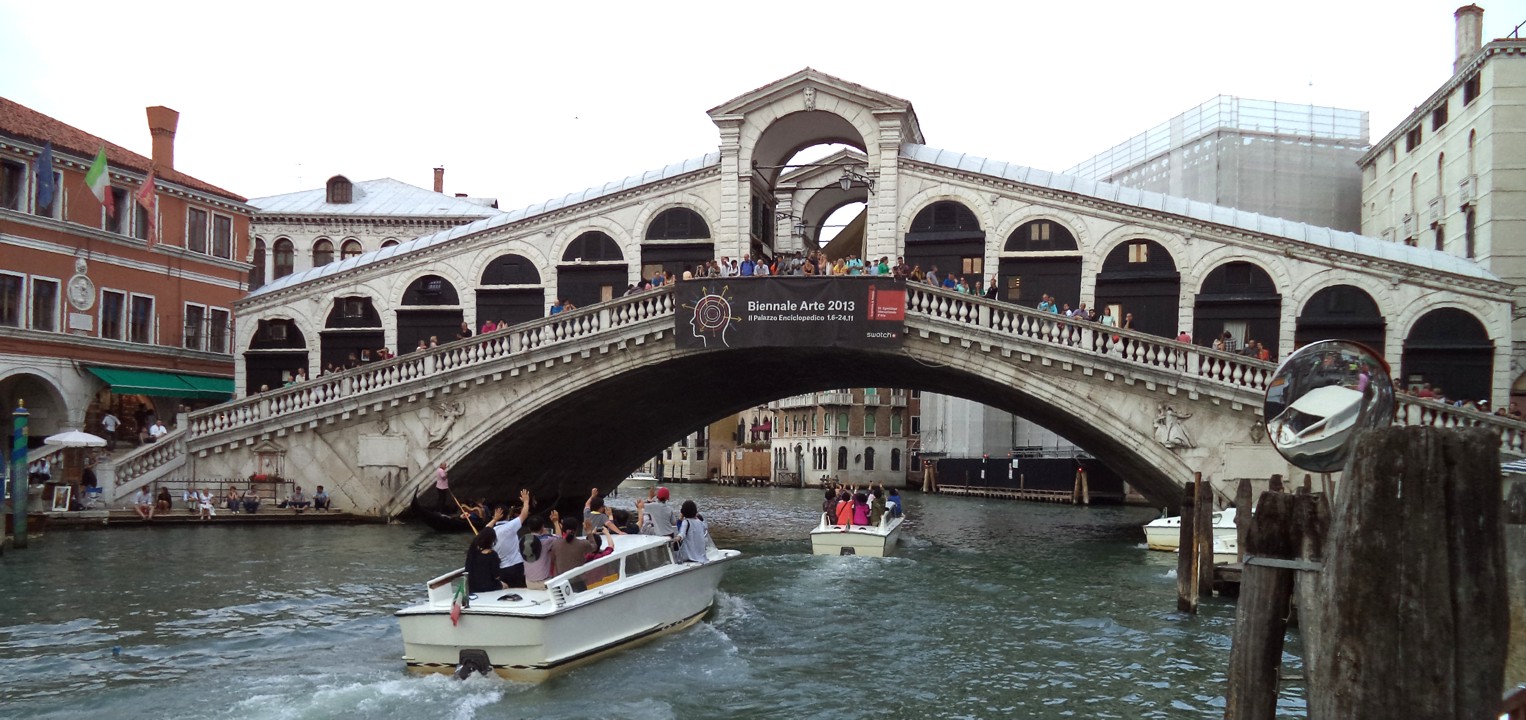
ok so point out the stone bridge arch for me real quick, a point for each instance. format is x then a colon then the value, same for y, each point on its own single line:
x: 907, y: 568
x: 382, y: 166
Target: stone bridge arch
x: 612, y: 405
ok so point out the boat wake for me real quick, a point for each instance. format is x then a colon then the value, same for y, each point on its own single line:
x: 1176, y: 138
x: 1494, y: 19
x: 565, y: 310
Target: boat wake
x: 381, y: 696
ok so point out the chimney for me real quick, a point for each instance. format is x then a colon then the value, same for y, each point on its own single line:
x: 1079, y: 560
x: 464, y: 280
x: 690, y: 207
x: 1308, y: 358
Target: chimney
x: 1470, y: 33
x: 439, y: 177
x: 161, y: 125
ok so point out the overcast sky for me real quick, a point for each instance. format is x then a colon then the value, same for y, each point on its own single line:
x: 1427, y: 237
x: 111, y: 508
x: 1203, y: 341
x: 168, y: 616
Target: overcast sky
x: 528, y: 101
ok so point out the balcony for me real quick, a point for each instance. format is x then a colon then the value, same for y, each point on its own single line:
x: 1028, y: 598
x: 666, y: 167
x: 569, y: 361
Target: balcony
x: 795, y: 401
x: 834, y: 398
x: 1436, y: 209
x: 1467, y: 190
x: 1407, y: 229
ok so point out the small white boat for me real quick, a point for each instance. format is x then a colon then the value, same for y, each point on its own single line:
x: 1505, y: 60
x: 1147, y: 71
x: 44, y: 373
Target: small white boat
x: 1317, y: 423
x: 635, y: 594
x: 639, y: 480
x: 870, y: 540
x: 1226, y: 550
x: 1166, y: 533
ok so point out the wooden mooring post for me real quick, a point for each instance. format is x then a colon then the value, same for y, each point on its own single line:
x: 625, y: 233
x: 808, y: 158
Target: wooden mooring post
x: 1186, y: 557
x: 1203, y: 535
x: 1414, y: 621
x: 1261, y: 617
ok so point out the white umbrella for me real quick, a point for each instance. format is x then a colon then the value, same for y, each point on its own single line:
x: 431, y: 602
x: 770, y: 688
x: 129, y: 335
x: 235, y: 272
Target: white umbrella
x: 75, y: 438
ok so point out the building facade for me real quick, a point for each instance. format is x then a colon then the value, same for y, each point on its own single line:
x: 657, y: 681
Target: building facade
x: 312, y: 228
x: 1452, y: 178
x: 128, y: 311
x: 850, y: 436
x: 1296, y: 162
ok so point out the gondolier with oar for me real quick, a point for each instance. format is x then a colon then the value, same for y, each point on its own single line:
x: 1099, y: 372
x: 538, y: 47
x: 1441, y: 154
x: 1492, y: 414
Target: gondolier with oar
x: 442, y: 489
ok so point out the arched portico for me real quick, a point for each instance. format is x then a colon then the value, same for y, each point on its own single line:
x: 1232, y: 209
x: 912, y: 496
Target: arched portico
x: 44, y: 399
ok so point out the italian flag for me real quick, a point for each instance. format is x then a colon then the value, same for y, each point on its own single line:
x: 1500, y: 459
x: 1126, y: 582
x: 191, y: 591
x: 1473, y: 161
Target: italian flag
x: 99, y: 180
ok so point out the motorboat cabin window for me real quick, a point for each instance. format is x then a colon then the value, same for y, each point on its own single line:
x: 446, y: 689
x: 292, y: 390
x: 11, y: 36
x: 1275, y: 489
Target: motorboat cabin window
x: 647, y: 560
x: 595, y: 575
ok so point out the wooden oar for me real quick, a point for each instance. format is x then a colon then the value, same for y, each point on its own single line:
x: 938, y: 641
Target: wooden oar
x: 464, y: 513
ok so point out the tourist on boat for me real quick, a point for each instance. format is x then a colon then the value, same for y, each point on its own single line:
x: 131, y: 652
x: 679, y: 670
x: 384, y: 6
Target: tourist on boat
x: 321, y: 500
x: 693, y: 536
x: 596, y: 518
x: 844, y: 512
x: 829, y: 505
x: 475, y: 513
x: 860, y: 509
x: 144, y: 503
x: 876, y: 506
x: 656, y: 517
x: 625, y: 520
x: 568, y: 551
x: 511, y: 564
x: 482, y: 563
x: 893, y: 503
x: 535, y: 546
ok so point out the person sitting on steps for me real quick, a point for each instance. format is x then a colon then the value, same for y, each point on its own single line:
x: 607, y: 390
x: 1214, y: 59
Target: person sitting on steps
x: 321, y: 500
x: 298, y: 501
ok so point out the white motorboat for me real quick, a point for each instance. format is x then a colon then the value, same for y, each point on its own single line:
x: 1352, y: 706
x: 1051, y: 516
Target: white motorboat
x: 635, y: 594
x: 639, y: 480
x: 1317, y: 423
x: 1166, y: 533
x: 1226, y: 550
x: 871, y: 540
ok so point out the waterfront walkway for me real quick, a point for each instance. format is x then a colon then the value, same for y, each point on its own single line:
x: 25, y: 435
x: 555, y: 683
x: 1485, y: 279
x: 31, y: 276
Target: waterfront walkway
x: 119, y: 518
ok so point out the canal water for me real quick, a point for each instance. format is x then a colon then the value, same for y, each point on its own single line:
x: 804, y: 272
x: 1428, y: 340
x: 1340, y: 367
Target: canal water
x: 991, y: 609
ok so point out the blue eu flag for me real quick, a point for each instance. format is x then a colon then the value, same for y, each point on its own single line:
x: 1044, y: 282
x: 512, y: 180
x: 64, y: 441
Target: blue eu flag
x: 45, y: 185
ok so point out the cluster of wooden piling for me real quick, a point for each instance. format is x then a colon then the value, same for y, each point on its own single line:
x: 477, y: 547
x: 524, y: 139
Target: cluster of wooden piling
x: 1400, y: 581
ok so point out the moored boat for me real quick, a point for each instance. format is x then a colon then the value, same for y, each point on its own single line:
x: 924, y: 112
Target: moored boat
x: 1166, y: 533
x: 635, y: 594
x: 443, y: 522
x: 872, y: 540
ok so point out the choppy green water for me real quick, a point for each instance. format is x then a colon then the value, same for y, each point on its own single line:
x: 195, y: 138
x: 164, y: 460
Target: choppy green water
x: 991, y: 609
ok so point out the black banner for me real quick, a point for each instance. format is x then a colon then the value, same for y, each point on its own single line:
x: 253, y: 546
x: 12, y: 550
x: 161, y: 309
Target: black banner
x: 742, y: 312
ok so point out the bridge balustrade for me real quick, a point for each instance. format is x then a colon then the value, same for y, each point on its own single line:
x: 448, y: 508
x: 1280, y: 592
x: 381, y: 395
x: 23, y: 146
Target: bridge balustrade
x: 470, y: 352
x: 1064, y: 335
x: 1087, y: 337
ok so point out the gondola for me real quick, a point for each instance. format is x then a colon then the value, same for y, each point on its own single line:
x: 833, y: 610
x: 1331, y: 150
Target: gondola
x: 443, y: 522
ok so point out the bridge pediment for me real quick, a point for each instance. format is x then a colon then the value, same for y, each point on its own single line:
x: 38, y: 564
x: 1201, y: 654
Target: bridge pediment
x: 816, y: 90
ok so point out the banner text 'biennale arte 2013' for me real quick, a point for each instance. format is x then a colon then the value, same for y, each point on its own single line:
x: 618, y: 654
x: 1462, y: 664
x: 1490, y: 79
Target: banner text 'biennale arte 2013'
x: 743, y: 312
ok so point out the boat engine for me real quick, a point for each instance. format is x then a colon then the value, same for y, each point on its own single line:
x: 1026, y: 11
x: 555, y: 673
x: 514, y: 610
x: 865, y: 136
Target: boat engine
x: 473, y: 661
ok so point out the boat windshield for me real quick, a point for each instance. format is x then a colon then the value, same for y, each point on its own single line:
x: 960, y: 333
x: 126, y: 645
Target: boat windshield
x: 607, y: 570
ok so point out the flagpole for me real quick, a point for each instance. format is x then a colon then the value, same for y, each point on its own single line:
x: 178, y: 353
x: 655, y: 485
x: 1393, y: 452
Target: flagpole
x: 20, y: 482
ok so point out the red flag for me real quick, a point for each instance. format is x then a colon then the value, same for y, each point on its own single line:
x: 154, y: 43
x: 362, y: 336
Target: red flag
x: 150, y: 202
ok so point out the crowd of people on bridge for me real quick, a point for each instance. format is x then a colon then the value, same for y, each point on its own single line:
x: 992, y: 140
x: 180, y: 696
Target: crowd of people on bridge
x: 515, y: 549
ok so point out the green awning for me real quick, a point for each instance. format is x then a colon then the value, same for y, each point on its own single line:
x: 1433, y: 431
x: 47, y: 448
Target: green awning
x: 164, y: 384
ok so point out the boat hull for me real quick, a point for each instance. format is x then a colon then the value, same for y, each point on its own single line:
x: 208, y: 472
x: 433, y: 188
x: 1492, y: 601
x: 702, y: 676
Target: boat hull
x: 870, y: 541
x: 534, y: 645
x: 1165, y: 534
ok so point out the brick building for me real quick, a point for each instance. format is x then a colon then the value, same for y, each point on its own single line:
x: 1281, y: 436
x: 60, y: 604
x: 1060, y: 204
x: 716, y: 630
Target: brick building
x: 110, y: 311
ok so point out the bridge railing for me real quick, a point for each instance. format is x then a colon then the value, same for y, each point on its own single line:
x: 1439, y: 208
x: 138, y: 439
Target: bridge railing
x: 1091, y: 338
x: 405, y: 369
x: 1195, y: 361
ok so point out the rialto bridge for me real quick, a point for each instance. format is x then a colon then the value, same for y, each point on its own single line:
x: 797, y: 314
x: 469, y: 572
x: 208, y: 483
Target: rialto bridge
x: 562, y: 401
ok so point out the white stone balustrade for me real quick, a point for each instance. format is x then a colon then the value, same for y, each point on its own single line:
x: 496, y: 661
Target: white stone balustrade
x: 1064, y: 339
